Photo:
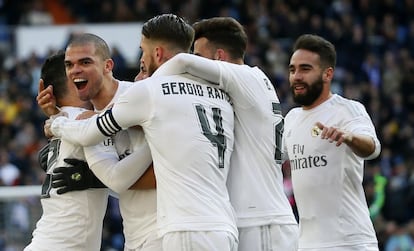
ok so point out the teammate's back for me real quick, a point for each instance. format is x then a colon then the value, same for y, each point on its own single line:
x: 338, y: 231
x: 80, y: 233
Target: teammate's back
x: 189, y: 127
x: 258, y: 129
x: 255, y: 180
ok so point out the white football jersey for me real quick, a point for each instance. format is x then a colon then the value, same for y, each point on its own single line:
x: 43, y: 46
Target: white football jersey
x: 255, y: 180
x: 74, y: 220
x: 137, y: 207
x: 327, y: 180
x: 189, y: 128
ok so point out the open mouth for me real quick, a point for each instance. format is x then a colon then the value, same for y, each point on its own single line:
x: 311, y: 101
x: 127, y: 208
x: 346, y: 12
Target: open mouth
x: 80, y: 83
x: 299, y: 88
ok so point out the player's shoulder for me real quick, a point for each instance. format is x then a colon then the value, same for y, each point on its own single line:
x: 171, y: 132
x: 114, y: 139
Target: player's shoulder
x: 124, y: 81
x: 243, y: 70
x: 72, y: 112
x: 259, y: 74
x: 177, y: 79
x: 347, y: 105
x: 124, y: 85
x: 293, y: 112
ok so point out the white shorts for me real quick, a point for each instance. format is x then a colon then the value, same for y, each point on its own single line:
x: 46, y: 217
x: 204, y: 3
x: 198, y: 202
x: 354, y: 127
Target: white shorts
x: 152, y: 243
x: 271, y: 237
x: 362, y: 247
x: 199, y: 241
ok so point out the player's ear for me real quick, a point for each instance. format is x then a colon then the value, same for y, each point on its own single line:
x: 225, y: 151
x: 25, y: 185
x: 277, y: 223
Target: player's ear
x: 109, y: 65
x: 220, y: 55
x: 328, y: 74
x: 159, y: 54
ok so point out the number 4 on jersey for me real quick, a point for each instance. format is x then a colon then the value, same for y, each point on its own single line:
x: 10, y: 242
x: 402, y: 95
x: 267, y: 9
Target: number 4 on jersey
x: 217, y: 139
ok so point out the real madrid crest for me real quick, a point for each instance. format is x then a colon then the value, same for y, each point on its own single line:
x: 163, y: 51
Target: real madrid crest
x: 316, y: 131
x: 76, y: 176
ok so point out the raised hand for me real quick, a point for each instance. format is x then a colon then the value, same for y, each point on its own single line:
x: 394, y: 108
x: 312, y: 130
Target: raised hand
x: 334, y: 134
x: 46, y: 100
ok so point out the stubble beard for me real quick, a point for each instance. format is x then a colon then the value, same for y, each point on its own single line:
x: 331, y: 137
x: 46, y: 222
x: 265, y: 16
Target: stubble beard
x: 313, y: 91
x: 151, y: 68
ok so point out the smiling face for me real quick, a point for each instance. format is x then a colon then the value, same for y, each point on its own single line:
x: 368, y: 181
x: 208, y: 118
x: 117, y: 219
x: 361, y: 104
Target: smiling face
x: 309, y: 83
x: 85, y: 69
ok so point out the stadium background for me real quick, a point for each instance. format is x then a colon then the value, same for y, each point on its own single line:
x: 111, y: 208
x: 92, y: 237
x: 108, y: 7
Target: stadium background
x: 375, y: 45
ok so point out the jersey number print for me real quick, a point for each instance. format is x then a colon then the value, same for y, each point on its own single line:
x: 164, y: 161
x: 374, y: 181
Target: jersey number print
x: 54, y: 147
x: 278, y: 133
x: 217, y: 139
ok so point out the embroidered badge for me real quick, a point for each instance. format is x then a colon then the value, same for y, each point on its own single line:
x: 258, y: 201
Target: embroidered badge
x: 316, y: 131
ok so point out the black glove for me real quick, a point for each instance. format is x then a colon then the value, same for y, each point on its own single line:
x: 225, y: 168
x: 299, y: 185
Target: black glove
x: 42, y: 156
x: 77, y: 177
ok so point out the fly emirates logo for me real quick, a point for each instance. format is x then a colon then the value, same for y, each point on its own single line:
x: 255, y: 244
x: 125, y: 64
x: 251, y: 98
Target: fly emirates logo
x: 300, y: 160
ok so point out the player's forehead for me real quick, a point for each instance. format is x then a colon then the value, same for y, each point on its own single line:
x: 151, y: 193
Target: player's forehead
x: 75, y: 53
x: 202, y: 47
x: 303, y: 57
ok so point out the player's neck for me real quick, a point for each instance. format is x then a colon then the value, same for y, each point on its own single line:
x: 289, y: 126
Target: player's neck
x: 239, y: 61
x: 105, y: 95
x: 321, y: 99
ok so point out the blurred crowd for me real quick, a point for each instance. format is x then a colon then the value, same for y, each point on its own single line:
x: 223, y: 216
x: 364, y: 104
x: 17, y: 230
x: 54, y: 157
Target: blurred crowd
x: 375, y: 46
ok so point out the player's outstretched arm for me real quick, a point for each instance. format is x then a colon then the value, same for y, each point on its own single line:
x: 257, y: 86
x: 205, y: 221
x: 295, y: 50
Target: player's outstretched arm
x: 79, y: 132
x: 119, y: 175
x: 88, y: 132
x: 195, y: 65
x: 361, y: 145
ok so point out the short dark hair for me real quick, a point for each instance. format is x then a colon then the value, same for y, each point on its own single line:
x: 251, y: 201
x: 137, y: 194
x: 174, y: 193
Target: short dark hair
x: 319, y: 45
x: 223, y: 32
x: 171, y: 29
x: 53, y: 73
x: 102, y: 48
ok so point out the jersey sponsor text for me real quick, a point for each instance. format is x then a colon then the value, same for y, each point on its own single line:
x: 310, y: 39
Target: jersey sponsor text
x: 306, y: 162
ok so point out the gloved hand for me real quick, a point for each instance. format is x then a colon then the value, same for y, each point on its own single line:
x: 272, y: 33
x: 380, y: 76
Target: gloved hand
x: 42, y: 156
x: 77, y: 177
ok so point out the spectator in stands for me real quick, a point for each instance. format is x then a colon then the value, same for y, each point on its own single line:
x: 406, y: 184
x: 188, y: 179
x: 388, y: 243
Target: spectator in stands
x: 9, y: 173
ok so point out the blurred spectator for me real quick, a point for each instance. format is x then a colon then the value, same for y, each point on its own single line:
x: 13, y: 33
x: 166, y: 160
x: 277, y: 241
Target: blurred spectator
x: 35, y: 14
x: 120, y: 65
x: 9, y: 109
x: 371, y: 67
x: 9, y: 173
x: 34, y: 64
x: 400, y: 239
x: 396, y: 203
x: 374, y: 186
